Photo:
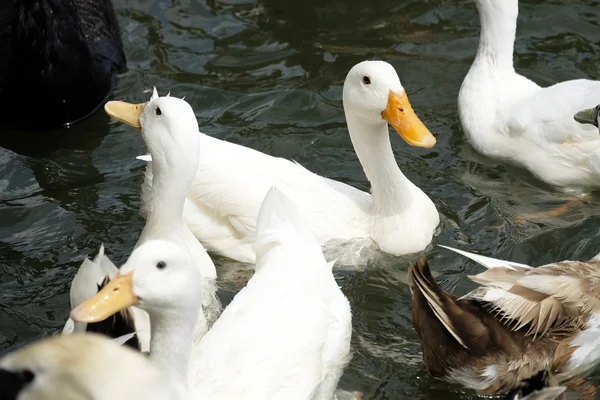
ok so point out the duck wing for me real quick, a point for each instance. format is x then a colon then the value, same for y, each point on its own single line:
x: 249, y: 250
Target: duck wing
x: 557, y: 297
x: 546, y: 119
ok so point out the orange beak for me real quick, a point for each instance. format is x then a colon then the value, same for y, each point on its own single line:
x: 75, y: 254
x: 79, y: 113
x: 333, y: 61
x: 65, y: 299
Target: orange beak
x: 126, y: 112
x: 114, y: 297
x: 400, y: 115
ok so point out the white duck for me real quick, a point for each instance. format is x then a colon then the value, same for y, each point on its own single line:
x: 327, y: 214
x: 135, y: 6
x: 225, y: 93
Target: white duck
x: 232, y: 180
x: 168, y: 123
x: 84, y: 366
x: 164, y: 124
x: 286, y: 335
x: 507, y: 116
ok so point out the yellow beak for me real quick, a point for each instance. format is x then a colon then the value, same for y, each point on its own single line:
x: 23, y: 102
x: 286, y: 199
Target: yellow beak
x: 400, y: 115
x: 126, y: 112
x: 114, y: 297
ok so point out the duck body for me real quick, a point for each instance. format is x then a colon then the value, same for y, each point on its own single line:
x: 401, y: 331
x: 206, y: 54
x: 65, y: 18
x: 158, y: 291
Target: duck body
x: 520, y: 321
x: 68, y: 53
x: 286, y: 335
x: 507, y: 116
x: 225, y: 221
x: 231, y: 181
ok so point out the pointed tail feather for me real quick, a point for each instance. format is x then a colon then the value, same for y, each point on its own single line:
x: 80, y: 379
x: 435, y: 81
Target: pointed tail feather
x: 90, y: 274
x: 424, y: 283
x: 109, y: 268
x: 121, y: 340
x: 487, y: 262
x: 144, y: 157
x: 282, y: 231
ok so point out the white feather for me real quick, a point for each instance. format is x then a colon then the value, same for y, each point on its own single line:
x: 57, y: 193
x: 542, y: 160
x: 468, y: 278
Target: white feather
x: 487, y: 262
x: 145, y: 157
x: 587, y: 354
x: 468, y: 377
x: 550, y: 393
x: 121, y: 340
x: 90, y: 274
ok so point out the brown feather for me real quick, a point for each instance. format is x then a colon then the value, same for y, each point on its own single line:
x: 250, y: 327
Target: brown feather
x: 548, y: 300
x: 490, y: 338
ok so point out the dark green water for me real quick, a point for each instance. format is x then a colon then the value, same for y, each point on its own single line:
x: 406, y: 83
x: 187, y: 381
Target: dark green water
x: 268, y: 74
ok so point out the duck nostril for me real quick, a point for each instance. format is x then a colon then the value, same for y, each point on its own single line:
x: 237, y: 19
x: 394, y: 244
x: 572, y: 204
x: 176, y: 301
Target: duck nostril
x: 116, y: 289
x: 401, y: 109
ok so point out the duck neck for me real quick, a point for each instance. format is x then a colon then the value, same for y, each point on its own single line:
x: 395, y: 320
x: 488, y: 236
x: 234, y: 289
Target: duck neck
x: 171, y: 338
x: 167, y: 198
x: 390, y: 189
x: 497, y: 37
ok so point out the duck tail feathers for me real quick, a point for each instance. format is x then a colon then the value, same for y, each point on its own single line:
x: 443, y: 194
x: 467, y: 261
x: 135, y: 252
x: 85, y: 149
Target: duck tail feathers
x: 88, y: 278
x: 424, y: 286
x: 90, y: 274
x: 282, y: 229
x: 488, y: 262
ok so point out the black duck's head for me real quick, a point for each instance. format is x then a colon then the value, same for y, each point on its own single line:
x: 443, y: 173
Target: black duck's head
x: 590, y: 116
x: 64, y: 54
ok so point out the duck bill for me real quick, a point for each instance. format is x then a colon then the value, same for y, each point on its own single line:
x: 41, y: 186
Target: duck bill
x: 589, y: 116
x: 114, y: 297
x: 126, y: 112
x: 400, y: 115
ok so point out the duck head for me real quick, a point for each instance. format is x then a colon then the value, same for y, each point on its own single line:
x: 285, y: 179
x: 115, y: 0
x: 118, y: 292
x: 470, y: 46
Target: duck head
x: 159, y: 276
x: 589, y: 116
x: 84, y: 366
x: 373, y: 92
x: 169, y: 128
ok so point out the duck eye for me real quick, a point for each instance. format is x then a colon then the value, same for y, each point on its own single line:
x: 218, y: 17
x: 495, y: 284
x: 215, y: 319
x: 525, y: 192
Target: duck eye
x: 157, y: 111
x: 161, y: 265
x: 366, y: 80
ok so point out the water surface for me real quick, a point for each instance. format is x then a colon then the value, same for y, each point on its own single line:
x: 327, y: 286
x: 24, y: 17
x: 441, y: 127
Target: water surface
x: 268, y: 74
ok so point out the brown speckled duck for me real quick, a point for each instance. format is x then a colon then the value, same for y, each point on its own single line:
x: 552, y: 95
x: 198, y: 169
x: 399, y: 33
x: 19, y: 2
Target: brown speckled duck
x: 521, y: 320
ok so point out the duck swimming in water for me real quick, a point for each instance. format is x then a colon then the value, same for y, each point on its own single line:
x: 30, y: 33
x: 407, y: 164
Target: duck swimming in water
x: 519, y: 321
x: 65, y: 53
x: 507, y: 116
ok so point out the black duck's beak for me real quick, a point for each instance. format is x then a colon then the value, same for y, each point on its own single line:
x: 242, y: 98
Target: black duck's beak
x: 589, y: 116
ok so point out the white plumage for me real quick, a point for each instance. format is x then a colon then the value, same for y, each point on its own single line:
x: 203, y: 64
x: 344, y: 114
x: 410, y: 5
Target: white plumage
x: 286, y: 335
x: 507, y: 116
x: 231, y: 181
